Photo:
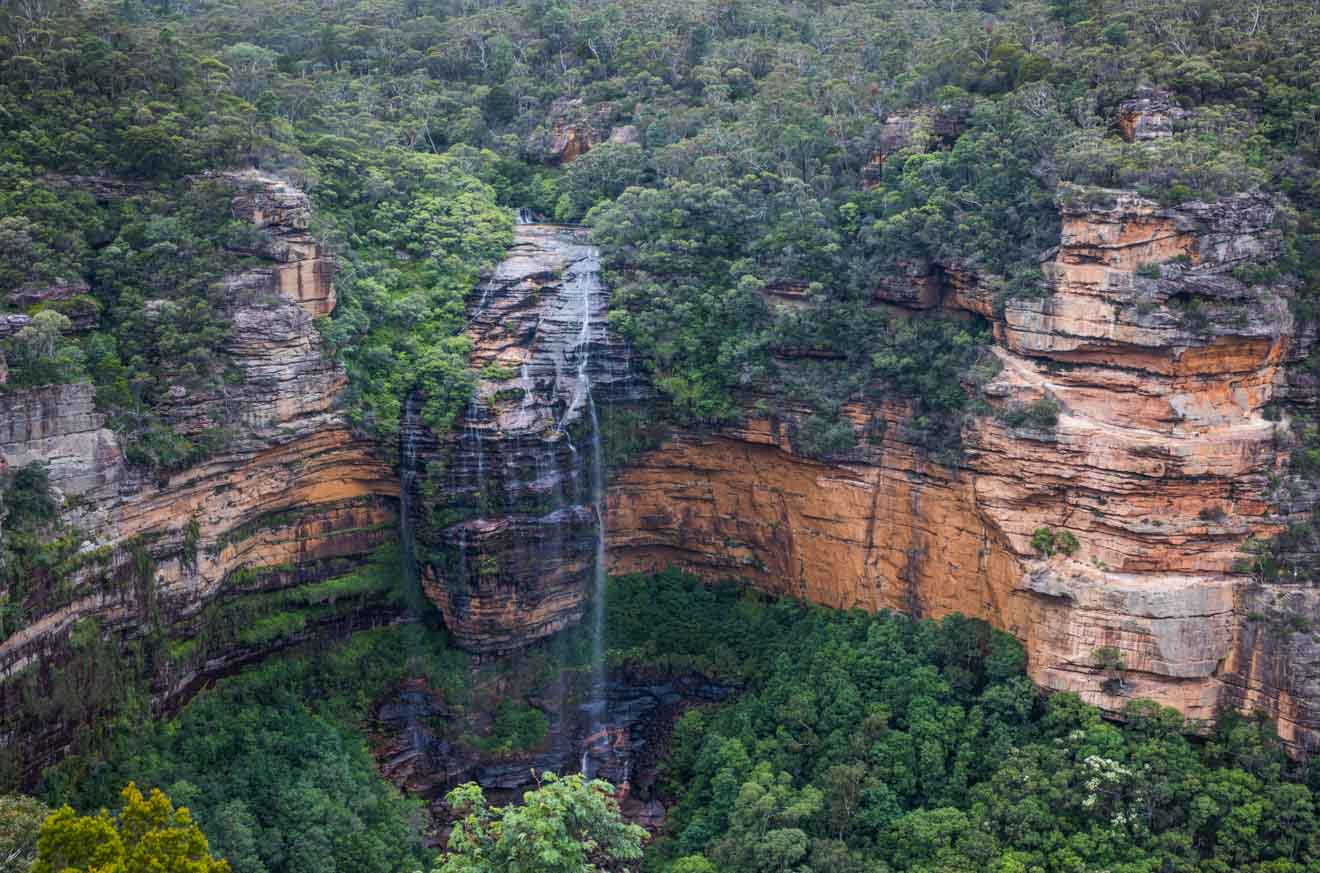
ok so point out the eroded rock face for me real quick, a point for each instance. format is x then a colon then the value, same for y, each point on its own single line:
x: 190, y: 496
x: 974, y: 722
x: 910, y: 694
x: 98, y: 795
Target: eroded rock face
x: 1149, y: 115
x: 1161, y: 464
x: 304, y: 270
x: 572, y: 129
x: 518, y: 536
x: 295, y: 495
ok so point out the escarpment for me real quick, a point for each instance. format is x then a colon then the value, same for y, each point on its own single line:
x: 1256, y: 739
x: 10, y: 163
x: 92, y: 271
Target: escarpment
x: 1155, y: 363
x: 1137, y: 438
x: 294, y: 497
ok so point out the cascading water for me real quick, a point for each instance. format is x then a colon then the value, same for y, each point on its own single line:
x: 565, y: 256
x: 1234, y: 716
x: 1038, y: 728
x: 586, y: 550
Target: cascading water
x: 584, y: 278
x: 407, y: 483
x: 532, y: 442
x: 473, y: 416
x: 598, y: 678
x: 417, y: 739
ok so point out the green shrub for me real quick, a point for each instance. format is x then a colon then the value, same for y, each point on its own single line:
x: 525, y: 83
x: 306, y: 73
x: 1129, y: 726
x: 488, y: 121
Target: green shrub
x: 1042, y: 414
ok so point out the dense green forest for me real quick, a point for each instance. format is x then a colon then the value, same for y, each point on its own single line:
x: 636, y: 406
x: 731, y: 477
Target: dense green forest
x: 857, y: 742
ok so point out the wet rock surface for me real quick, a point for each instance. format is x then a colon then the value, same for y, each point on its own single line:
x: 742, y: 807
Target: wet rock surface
x: 427, y: 747
x: 518, y: 469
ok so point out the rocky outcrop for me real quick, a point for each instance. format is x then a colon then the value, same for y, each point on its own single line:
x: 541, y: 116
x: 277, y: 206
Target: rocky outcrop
x: 1162, y: 462
x: 60, y: 289
x: 1149, y: 115
x: 921, y: 128
x: 572, y: 129
x: 304, y: 269
x: 294, y: 496
x: 516, y: 539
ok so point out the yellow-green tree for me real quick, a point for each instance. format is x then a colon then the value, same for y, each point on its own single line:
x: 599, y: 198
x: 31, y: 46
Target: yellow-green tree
x: 149, y: 834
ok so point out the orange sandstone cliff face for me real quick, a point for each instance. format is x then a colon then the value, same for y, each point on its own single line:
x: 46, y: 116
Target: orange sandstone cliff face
x: 295, y: 497
x: 1161, y: 464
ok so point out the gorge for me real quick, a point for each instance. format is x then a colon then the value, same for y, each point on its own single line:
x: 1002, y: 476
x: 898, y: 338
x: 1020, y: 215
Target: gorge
x: 695, y: 436
x: 1161, y: 464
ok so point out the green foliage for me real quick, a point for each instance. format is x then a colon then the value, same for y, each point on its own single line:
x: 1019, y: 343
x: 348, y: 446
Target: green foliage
x: 880, y: 742
x: 600, y: 176
x: 37, y: 551
x: 1042, y: 414
x: 20, y: 821
x: 149, y: 834
x: 755, y: 128
x: 515, y: 728
x: 274, y: 617
x: 418, y: 244
x: 39, y: 354
x: 1047, y: 541
x: 1108, y: 658
x: 564, y: 825
x: 274, y: 761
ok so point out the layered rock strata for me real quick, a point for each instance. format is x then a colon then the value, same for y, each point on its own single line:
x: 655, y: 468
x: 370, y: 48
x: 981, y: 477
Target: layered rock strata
x: 294, y: 497
x: 1162, y: 363
x: 517, y: 530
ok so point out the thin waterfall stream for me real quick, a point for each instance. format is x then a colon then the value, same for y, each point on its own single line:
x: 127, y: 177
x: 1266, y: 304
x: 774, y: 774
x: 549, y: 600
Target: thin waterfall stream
x: 523, y: 480
x: 584, y: 279
x: 520, y: 481
x: 407, y: 482
x: 417, y: 738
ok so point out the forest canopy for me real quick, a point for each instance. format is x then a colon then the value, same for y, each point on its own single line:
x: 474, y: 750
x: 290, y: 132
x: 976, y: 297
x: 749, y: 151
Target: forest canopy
x: 752, y: 146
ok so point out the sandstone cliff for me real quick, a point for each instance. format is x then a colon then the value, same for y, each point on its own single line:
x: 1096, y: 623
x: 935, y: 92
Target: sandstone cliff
x: 1162, y: 361
x: 1161, y: 464
x: 295, y: 497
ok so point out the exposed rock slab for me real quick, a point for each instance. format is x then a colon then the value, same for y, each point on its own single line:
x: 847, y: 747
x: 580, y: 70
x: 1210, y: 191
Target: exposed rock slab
x: 295, y: 492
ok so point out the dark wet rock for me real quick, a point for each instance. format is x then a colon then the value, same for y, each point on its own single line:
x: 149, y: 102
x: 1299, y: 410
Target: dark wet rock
x: 512, y: 564
x: 632, y: 732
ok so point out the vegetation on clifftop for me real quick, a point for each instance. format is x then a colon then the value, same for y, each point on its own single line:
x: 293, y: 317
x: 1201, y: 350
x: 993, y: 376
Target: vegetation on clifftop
x: 760, y: 146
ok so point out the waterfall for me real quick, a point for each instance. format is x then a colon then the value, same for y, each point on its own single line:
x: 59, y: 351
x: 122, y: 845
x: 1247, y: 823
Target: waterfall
x: 525, y: 216
x: 472, y: 418
x: 528, y: 387
x: 407, y: 482
x: 598, y: 677
x: 584, y: 278
x: 417, y: 740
